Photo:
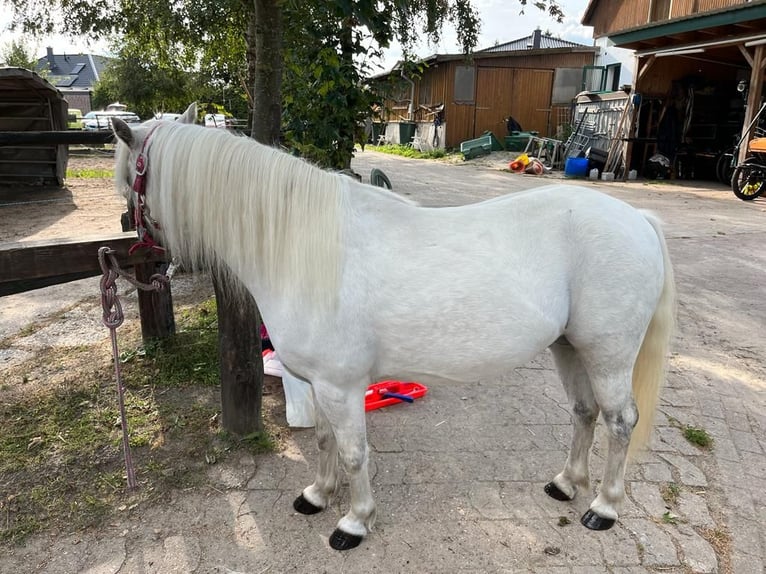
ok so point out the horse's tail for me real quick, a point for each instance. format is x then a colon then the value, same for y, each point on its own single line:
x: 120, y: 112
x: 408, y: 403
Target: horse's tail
x: 651, y: 363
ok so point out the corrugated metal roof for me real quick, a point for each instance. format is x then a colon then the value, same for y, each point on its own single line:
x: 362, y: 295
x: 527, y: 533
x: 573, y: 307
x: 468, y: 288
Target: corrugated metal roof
x: 528, y: 43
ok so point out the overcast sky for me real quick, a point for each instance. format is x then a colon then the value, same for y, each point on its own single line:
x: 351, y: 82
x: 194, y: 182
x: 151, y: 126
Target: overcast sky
x: 501, y: 21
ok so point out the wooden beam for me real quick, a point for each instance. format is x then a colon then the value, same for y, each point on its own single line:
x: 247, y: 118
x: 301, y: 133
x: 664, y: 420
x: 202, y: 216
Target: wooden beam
x: 746, y: 54
x: 26, y: 265
x: 645, y: 68
x: 753, y: 97
x: 71, y: 137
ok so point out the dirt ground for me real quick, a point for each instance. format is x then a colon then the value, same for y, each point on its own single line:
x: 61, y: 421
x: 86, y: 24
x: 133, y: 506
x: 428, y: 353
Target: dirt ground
x: 717, y: 380
x: 86, y: 206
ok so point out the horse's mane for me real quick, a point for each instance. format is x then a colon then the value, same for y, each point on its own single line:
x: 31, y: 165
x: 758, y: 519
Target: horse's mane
x: 264, y: 212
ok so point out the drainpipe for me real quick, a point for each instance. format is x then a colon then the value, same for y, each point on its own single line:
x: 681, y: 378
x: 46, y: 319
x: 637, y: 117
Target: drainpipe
x: 410, y: 108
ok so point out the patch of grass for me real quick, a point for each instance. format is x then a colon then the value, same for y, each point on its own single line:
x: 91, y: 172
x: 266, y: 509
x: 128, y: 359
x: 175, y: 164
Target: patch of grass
x: 61, y: 462
x: 695, y: 435
x: 698, y: 436
x: 89, y: 173
x: 720, y: 540
x: 669, y: 518
x: 411, y: 152
x: 189, y: 357
x: 670, y: 492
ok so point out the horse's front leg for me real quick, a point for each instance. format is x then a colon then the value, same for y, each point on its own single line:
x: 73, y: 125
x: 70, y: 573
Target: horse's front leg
x: 316, y: 497
x: 344, y: 411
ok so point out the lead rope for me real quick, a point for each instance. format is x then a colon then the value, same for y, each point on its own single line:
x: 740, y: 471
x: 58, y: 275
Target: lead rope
x: 112, y: 318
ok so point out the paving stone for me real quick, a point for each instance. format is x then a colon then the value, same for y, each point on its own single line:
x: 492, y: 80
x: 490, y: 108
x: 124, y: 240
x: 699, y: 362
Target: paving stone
x: 619, y: 549
x: 711, y: 407
x: 689, y: 474
x: 747, y: 564
x: 746, y: 536
x: 648, y: 497
x: 657, y: 472
x: 724, y: 449
x: 755, y: 466
x: 679, y: 397
x: 746, y: 442
x: 674, y: 438
x: 716, y: 427
x: 697, y: 552
x: 656, y: 545
x: 693, y: 508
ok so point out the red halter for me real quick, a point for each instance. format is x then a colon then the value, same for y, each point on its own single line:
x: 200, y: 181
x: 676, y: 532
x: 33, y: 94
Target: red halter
x: 140, y: 210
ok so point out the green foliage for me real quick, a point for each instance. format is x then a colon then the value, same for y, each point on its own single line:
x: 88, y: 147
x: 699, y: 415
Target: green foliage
x: 18, y: 54
x: 89, y: 173
x: 698, y: 436
x: 409, y: 151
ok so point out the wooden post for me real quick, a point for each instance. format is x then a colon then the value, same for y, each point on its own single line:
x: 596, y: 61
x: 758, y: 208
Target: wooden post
x: 239, y: 351
x: 753, y: 98
x: 154, y: 307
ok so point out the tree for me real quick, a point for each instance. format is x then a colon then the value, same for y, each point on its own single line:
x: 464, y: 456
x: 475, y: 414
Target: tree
x: 18, y: 54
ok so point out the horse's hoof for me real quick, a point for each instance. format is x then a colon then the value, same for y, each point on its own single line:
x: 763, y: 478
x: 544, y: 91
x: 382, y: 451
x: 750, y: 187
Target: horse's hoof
x: 593, y: 521
x: 304, y: 506
x: 344, y: 541
x: 555, y: 492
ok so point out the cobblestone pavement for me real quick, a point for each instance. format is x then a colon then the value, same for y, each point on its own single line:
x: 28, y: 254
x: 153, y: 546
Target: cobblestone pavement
x: 458, y: 475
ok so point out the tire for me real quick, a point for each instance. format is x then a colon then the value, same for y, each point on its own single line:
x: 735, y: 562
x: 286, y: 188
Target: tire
x: 748, y: 181
x: 380, y: 179
x: 724, y: 168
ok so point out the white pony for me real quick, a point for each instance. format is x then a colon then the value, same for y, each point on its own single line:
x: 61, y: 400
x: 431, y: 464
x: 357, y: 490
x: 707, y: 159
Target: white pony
x: 346, y: 275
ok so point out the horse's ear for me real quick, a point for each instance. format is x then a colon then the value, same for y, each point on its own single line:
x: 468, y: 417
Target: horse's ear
x: 122, y: 131
x: 190, y: 115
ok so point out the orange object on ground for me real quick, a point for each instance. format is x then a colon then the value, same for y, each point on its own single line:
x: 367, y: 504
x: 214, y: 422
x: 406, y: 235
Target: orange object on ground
x: 387, y: 393
x: 519, y: 163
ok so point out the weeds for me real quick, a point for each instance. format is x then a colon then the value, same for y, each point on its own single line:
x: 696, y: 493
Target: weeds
x: 89, y: 174
x: 698, y: 436
x: 61, y: 462
x: 670, y: 493
x: 695, y: 435
x: 411, y: 152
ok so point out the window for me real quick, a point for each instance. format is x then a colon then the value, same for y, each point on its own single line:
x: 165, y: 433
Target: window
x: 465, y: 83
x: 601, y: 78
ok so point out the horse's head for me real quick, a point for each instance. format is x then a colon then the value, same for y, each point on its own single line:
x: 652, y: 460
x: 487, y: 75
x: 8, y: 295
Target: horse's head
x: 131, y: 143
x: 132, y: 169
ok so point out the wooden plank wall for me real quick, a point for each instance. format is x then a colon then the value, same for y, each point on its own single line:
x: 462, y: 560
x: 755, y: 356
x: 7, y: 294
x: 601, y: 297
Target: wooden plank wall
x: 611, y: 16
x: 517, y: 85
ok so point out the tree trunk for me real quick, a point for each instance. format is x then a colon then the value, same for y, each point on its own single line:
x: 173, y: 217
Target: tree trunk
x: 239, y: 322
x: 267, y: 90
x: 346, y: 133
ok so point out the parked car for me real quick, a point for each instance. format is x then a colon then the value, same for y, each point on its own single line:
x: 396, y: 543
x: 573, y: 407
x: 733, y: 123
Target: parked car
x: 74, y: 119
x: 215, y: 121
x: 93, y: 121
x: 167, y: 116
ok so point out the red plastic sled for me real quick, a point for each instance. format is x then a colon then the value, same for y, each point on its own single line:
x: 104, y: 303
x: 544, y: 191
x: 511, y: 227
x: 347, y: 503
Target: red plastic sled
x: 387, y: 393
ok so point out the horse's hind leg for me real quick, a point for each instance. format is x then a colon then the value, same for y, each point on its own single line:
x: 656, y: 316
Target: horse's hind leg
x: 614, y: 395
x: 585, y: 411
x: 316, y: 497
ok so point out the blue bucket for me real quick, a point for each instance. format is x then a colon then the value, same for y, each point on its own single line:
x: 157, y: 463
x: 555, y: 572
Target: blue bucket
x: 576, y: 167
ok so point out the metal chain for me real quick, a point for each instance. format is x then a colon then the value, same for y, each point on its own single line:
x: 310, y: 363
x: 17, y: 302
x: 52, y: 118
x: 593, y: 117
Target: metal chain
x: 112, y: 318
